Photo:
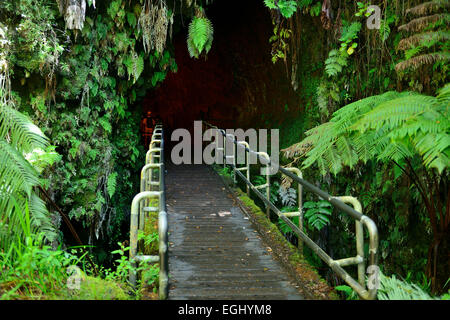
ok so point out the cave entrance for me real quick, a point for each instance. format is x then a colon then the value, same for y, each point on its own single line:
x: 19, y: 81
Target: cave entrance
x: 236, y: 85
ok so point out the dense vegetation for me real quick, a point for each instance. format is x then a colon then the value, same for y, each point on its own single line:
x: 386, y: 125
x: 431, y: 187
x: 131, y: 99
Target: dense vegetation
x: 374, y: 124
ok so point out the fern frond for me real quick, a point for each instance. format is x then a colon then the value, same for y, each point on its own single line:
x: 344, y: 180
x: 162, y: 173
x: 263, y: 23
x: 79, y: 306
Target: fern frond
x: 333, y: 160
x: 18, y: 135
x: 422, y: 38
x: 434, y: 149
x: 421, y: 23
x: 346, y: 149
x: 394, y: 112
x: 392, y: 288
x: 40, y: 217
x: 444, y: 98
x: 391, y: 126
x: 313, y: 137
x: 200, y: 36
x: 335, y: 62
x: 428, y: 7
x: 16, y: 174
x: 418, y: 61
x: 19, y: 130
x: 354, y: 110
x: 17, y: 178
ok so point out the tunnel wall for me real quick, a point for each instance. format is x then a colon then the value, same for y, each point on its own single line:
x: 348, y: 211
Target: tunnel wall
x: 236, y: 84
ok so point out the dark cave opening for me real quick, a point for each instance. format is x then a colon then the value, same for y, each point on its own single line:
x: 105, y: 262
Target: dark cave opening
x: 236, y: 85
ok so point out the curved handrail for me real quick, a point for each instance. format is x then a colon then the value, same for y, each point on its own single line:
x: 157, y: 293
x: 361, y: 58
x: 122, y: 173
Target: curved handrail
x: 151, y: 189
x: 366, y: 292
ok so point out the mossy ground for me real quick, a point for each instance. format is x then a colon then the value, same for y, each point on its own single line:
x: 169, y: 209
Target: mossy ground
x: 93, y: 288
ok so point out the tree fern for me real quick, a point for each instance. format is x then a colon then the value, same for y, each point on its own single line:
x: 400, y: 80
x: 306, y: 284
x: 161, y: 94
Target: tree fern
x: 200, y: 36
x: 19, y: 130
x: 391, y: 126
x: 18, y: 135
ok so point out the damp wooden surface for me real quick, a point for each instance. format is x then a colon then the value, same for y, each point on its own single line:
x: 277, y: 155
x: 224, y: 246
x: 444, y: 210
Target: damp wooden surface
x: 214, y: 253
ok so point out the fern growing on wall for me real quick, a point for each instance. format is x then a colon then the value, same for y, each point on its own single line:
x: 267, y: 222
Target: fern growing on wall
x: 429, y: 34
x: 336, y: 62
x: 200, y: 36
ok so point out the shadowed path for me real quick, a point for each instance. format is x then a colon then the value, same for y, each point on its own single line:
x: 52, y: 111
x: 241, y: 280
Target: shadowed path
x: 214, y: 252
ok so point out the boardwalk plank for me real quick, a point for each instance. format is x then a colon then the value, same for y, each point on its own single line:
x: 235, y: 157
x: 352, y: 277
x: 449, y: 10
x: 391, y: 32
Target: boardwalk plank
x: 214, y: 252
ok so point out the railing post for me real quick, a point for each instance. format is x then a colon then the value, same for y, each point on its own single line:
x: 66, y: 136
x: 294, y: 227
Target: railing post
x: 134, y: 227
x: 247, y: 162
x: 299, y: 203
x: 366, y: 292
x: 232, y: 156
x: 154, y: 160
x: 267, y: 185
x: 224, y: 151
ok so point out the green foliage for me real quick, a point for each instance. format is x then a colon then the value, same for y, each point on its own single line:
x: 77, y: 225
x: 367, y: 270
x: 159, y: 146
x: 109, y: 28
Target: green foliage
x: 20, y: 138
x: 95, y: 288
x: 284, y: 228
x: 392, y: 126
x: 225, y: 171
x: 288, y: 196
x: 349, y: 34
x: 348, y: 291
x: 426, y: 45
x: 112, y: 184
x: 86, y: 113
x: 392, y: 288
x: 336, y: 61
x: 31, y: 269
x: 135, y: 65
x: 200, y: 36
x: 317, y: 214
x: 286, y: 7
x: 279, y: 41
x: 150, y: 276
x: 148, y: 239
x: 123, y: 265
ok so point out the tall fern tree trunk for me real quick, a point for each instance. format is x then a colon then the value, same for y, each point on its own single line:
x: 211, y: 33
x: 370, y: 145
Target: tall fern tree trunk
x: 436, y: 196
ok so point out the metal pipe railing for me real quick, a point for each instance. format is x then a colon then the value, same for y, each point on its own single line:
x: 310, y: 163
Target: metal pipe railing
x: 151, y: 189
x: 365, y: 292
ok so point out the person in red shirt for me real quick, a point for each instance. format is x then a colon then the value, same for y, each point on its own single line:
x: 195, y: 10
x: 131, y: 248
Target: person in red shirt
x: 147, y: 125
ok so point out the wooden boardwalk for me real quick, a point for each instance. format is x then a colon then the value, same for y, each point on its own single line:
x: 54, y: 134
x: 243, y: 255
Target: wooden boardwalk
x: 214, y: 253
